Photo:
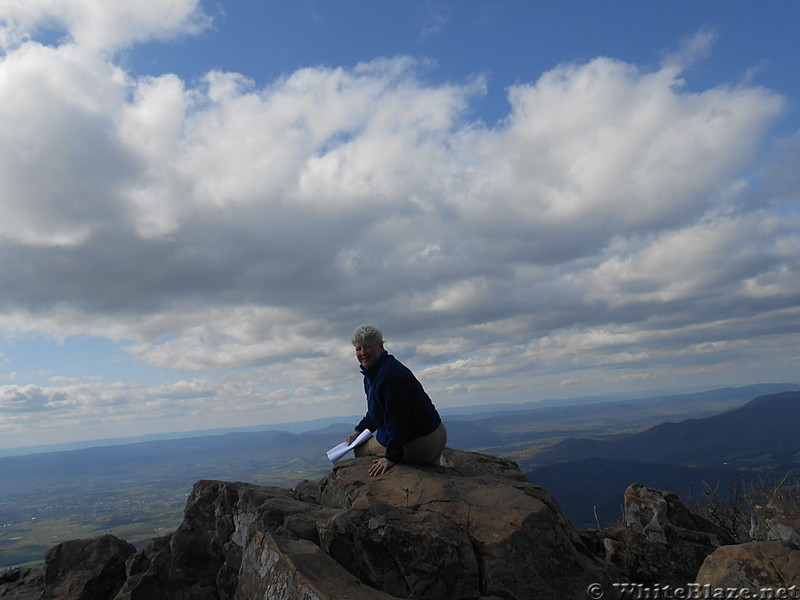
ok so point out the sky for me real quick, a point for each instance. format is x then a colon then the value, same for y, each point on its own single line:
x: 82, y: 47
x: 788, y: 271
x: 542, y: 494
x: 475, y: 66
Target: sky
x: 201, y: 200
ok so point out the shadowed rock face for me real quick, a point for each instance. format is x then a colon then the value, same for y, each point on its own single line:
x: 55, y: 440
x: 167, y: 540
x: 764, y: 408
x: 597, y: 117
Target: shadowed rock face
x: 86, y: 569
x: 22, y: 584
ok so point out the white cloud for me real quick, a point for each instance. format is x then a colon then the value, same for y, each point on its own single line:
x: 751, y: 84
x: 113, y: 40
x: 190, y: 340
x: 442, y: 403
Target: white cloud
x: 613, y: 219
x: 61, y: 165
x: 29, y: 398
x: 606, y: 144
x: 99, y: 24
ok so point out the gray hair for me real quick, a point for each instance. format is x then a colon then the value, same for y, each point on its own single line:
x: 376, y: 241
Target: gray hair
x: 367, y: 333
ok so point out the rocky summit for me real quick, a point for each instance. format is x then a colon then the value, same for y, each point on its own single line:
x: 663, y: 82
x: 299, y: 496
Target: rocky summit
x: 471, y: 528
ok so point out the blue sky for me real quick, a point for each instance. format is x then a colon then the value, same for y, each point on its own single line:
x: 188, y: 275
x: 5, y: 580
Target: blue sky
x: 201, y: 201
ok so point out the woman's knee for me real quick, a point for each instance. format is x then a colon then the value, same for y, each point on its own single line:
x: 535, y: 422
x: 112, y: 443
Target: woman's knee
x: 371, y: 447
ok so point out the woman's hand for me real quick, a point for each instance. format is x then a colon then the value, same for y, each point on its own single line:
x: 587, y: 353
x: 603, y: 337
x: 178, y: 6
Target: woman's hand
x: 349, y: 439
x: 380, y: 466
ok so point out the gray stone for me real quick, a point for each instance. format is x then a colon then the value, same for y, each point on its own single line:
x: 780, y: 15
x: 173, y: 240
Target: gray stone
x: 281, y: 569
x: 771, y: 524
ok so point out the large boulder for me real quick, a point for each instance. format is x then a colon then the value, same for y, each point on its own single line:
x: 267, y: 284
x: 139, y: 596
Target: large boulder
x: 755, y: 566
x: 92, y: 569
x: 503, y: 535
x: 662, y: 542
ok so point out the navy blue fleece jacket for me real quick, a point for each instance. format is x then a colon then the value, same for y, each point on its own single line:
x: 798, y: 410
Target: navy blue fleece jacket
x: 398, y: 409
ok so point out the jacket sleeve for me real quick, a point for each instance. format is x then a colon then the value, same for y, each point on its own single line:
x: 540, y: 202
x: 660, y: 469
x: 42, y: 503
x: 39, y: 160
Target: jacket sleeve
x: 366, y: 423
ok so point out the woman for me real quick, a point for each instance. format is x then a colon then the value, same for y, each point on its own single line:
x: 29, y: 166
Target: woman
x: 406, y: 426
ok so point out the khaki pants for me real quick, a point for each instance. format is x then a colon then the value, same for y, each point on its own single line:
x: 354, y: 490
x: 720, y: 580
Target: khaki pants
x: 421, y: 450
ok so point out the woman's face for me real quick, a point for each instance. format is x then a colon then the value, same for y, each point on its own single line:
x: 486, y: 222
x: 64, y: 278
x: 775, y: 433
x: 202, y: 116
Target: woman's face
x: 368, y: 353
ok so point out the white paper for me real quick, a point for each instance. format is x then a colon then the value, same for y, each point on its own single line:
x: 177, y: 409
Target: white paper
x: 339, y: 451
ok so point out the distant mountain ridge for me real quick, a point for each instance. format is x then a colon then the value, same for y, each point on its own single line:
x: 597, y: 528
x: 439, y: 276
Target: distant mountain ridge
x: 238, y: 454
x: 744, y: 444
x: 668, y: 403
x: 233, y: 455
x: 763, y: 431
x: 291, y: 427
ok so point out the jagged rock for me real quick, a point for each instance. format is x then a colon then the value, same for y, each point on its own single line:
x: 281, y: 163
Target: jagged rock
x: 22, y: 584
x: 471, y: 530
x: 202, y: 558
x: 92, y: 569
x: 474, y: 529
x: 754, y: 565
x: 663, y: 542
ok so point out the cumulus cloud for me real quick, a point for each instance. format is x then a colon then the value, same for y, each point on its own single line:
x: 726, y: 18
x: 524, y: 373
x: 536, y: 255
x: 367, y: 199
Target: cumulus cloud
x: 608, y: 220
x: 29, y: 398
x: 98, y: 25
